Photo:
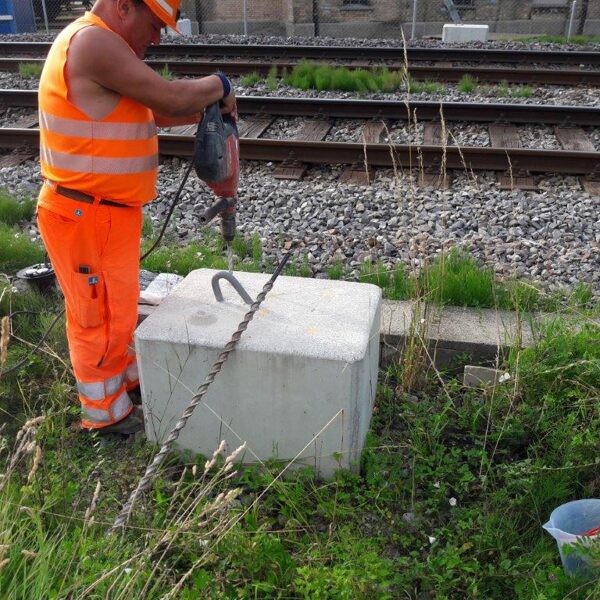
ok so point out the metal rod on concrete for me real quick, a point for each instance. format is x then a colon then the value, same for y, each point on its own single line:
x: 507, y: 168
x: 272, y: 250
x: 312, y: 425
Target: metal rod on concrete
x: 413, y: 30
x: 151, y: 471
x: 571, y: 19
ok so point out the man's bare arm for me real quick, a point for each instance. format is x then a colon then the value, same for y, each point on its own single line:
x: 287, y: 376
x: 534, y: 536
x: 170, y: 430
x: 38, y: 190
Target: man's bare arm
x: 163, y: 121
x: 117, y: 68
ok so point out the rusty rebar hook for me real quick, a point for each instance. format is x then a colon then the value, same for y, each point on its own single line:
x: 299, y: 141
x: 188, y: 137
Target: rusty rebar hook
x: 230, y: 277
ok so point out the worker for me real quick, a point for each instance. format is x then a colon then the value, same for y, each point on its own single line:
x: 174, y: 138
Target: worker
x: 100, y: 105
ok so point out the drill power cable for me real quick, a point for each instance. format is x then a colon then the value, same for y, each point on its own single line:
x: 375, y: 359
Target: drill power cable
x: 151, y: 471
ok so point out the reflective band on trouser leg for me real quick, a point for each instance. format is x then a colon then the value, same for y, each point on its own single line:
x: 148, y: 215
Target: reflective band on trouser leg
x: 99, y: 354
x: 98, y: 390
x: 103, y: 412
x: 132, y: 378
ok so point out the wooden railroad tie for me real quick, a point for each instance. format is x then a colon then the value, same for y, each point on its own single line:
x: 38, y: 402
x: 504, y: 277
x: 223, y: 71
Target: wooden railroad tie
x: 507, y: 136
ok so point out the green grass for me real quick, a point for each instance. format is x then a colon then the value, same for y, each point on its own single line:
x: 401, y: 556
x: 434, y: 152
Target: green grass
x: 455, y: 278
x: 166, y: 73
x: 467, y: 84
x: 503, y: 90
x: 250, y: 79
x: 522, y: 91
x: 12, y: 211
x: 30, y: 70
x: 17, y: 250
x: 273, y: 79
x: 580, y: 40
x: 207, y: 253
x: 426, y: 87
x: 448, y: 503
x: 308, y: 75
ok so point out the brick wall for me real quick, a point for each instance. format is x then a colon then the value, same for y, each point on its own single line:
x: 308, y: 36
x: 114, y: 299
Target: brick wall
x: 381, y: 11
x: 232, y: 10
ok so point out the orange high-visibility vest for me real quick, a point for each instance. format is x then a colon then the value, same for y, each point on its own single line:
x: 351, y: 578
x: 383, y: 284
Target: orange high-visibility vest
x: 115, y: 157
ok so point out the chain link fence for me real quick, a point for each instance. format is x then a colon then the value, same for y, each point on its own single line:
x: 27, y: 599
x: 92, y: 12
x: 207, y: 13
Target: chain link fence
x: 388, y: 18
x: 384, y: 19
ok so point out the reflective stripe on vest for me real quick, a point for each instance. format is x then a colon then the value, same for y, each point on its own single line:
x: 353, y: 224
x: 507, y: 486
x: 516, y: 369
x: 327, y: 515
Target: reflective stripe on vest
x: 98, y: 390
x: 97, y: 130
x: 83, y: 163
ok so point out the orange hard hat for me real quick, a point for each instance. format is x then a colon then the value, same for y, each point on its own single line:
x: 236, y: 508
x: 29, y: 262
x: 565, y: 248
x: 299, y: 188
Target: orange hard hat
x: 166, y: 10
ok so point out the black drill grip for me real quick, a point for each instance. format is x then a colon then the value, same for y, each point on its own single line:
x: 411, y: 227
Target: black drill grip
x: 219, y: 206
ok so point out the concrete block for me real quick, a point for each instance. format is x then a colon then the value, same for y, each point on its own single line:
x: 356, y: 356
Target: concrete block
x: 309, y: 358
x: 464, y: 33
x: 483, y: 377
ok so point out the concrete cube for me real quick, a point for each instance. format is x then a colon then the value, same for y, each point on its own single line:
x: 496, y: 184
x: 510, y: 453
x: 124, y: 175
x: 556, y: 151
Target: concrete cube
x: 464, y: 33
x: 300, y: 384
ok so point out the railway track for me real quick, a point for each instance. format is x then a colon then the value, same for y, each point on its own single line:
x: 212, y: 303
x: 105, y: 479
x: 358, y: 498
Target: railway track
x: 431, y: 157
x: 386, y: 109
x: 375, y: 54
x: 443, y: 73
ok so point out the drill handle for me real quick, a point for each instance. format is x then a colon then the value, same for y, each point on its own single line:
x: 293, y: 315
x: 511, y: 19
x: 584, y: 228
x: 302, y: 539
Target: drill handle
x: 219, y: 206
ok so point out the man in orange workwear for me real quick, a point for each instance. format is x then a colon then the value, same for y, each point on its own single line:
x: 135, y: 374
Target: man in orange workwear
x: 99, y: 107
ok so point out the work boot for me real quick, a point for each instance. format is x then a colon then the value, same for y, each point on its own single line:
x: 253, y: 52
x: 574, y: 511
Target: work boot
x: 131, y: 424
x: 135, y: 395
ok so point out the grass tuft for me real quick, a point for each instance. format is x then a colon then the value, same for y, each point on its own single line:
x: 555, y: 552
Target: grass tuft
x: 273, y: 78
x: 30, y: 70
x: 165, y: 73
x: 17, y: 250
x: 308, y: 75
x: 467, y: 84
x: 12, y: 211
x: 250, y: 79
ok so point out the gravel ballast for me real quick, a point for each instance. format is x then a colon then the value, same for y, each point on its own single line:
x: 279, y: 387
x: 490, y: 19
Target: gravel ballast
x: 551, y: 236
x: 333, y: 41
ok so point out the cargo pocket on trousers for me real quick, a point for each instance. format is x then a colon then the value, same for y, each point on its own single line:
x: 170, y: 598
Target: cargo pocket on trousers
x: 90, y: 294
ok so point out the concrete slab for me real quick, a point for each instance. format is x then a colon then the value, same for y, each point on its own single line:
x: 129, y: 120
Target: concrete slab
x: 482, y: 377
x: 301, y: 382
x: 454, y: 335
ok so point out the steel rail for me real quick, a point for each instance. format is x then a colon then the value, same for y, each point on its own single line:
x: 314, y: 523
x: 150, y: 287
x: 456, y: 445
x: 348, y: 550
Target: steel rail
x: 527, y: 57
x: 376, y: 155
x: 387, y: 109
x: 437, y: 73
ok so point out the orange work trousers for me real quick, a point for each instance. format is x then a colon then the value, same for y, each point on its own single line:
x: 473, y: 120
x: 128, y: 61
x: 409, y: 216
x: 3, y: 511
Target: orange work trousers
x: 95, y: 252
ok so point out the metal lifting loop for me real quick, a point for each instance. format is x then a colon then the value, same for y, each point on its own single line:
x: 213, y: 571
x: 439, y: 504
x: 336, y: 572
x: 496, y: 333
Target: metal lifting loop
x: 216, y: 286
